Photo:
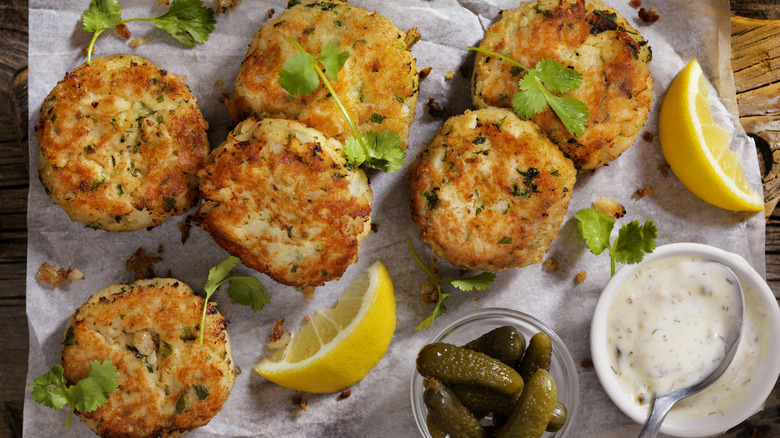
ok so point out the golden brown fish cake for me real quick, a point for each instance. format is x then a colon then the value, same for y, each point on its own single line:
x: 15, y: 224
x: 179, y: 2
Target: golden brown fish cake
x: 489, y: 191
x: 121, y: 141
x: 168, y: 382
x: 378, y: 84
x: 281, y: 197
x: 591, y: 38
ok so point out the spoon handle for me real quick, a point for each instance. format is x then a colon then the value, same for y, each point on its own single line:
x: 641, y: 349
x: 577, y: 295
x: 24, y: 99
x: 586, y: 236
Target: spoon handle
x: 658, y: 410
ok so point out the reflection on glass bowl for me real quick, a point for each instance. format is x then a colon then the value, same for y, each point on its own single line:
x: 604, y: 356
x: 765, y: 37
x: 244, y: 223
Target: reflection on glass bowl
x: 466, y: 329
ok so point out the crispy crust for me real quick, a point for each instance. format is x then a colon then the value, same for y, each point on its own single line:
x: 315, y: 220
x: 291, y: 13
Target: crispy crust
x: 610, y: 54
x: 476, y: 196
x: 378, y: 84
x: 279, y: 196
x: 121, y: 322
x: 121, y: 141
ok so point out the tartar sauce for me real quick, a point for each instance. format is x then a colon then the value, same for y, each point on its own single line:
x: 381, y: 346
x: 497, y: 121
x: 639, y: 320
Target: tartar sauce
x: 667, y: 330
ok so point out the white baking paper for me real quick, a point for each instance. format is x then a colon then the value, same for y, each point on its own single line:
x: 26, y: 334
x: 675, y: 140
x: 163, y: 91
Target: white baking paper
x: 380, y: 404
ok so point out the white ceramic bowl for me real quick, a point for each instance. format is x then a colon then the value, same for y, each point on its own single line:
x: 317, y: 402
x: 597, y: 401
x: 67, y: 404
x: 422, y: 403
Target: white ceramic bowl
x: 767, y: 369
x: 470, y: 327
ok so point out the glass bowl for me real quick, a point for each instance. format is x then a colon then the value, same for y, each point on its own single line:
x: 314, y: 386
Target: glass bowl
x: 760, y: 363
x: 467, y: 328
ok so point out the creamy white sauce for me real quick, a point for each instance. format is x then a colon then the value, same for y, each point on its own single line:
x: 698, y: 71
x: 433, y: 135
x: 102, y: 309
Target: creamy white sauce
x: 667, y: 329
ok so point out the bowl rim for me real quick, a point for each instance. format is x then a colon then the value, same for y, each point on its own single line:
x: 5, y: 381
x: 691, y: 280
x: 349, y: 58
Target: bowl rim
x: 568, y: 365
x: 747, y: 274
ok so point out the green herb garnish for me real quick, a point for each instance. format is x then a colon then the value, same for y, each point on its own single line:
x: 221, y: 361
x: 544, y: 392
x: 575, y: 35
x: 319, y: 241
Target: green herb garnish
x: 244, y: 290
x: 187, y: 21
x: 536, y: 92
x: 87, y: 395
x: 630, y: 246
x: 301, y: 75
x: 476, y: 282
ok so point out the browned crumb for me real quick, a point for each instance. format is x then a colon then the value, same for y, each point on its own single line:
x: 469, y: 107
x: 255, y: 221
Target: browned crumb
x: 643, y: 191
x: 123, y: 31
x: 412, y: 36
x: 665, y: 169
x: 308, y: 292
x: 226, y: 5
x: 587, y: 363
x: 374, y: 227
x: 580, y: 277
x: 300, y: 401
x: 609, y: 207
x: 635, y: 3
x: 270, y: 13
x: 422, y: 74
x: 647, y: 136
x: 218, y: 83
x: 306, y: 318
x: 435, y: 110
x: 429, y: 293
x: 51, y: 275
x: 184, y: 228
x: 343, y: 395
x: 224, y: 97
x: 160, y: 248
x: 278, y: 331
x: 449, y: 75
x: 649, y: 16
x: 141, y: 265
x: 138, y: 42
x: 163, y: 2
x: 279, y: 336
x: 550, y: 265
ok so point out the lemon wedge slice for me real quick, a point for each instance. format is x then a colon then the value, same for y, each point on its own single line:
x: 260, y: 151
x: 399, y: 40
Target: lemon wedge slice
x: 337, y: 347
x: 697, y: 148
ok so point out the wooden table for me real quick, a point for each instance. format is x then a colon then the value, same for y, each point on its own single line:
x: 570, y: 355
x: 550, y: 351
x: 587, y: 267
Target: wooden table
x: 756, y: 63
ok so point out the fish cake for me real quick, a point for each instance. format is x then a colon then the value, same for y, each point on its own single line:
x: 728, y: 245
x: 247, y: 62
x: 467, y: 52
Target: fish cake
x: 168, y: 382
x: 281, y: 197
x: 593, y: 39
x: 489, y: 191
x: 378, y: 84
x: 121, y: 141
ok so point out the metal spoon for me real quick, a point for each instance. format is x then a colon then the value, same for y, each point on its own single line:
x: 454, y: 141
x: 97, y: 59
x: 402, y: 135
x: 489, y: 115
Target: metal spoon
x: 661, y: 405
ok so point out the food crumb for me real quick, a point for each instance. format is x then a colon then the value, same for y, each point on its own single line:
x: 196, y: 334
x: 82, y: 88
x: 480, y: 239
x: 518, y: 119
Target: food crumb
x: 435, y: 110
x: 412, y: 37
x: 226, y: 5
x: 224, y: 97
x: 279, y: 336
x: 308, y: 292
x: 300, y: 401
x: 163, y: 2
x: 648, y: 136
x: 587, y: 363
x: 141, y: 265
x: 218, y: 83
x: 184, y: 228
x: 123, y: 31
x: 343, y: 395
x: 138, y: 42
x: 422, y: 74
x: 550, y: 265
x: 449, y: 75
x: 664, y: 169
x: 635, y: 3
x: 53, y: 276
x: 580, y: 277
x: 609, y: 207
x: 649, y: 16
x: 429, y: 293
x: 270, y: 13
x: 643, y: 191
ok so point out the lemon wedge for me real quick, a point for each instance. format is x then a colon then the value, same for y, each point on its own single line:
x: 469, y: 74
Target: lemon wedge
x: 337, y: 347
x: 697, y: 148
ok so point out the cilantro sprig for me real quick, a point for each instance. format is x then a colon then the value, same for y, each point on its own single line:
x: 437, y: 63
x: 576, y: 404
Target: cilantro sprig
x: 475, y: 282
x: 243, y: 289
x: 301, y: 75
x: 536, y: 92
x: 87, y: 395
x: 188, y: 21
x: 631, y: 244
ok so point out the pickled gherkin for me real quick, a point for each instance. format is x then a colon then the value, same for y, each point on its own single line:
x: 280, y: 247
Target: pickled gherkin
x: 481, y: 401
x: 534, y: 409
x: 503, y: 343
x: 457, y: 365
x: 537, y: 356
x: 446, y: 411
x: 559, y: 417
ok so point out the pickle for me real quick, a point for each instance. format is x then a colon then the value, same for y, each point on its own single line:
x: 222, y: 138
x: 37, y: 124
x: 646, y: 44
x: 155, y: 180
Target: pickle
x: 434, y: 428
x: 481, y: 401
x: 537, y: 356
x: 534, y: 409
x: 445, y: 410
x: 453, y: 365
x: 558, y: 419
x: 503, y: 343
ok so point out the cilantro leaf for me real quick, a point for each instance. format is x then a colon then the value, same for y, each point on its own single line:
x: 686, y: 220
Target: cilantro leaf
x: 243, y: 289
x: 297, y: 76
x: 354, y: 151
x: 187, y: 21
x: 333, y: 60
x: 87, y: 395
x: 572, y: 112
x: 630, y: 246
x: 101, y: 15
x: 476, y: 282
x: 595, y: 228
x: 530, y: 99
x: 556, y: 77
x: 384, y: 150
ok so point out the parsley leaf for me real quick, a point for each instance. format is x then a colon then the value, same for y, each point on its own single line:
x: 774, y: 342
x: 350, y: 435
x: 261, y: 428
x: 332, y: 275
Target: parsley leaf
x: 301, y: 75
x: 630, y: 246
x: 536, y: 92
x: 89, y: 394
x: 243, y: 289
x: 475, y: 282
x: 187, y: 21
